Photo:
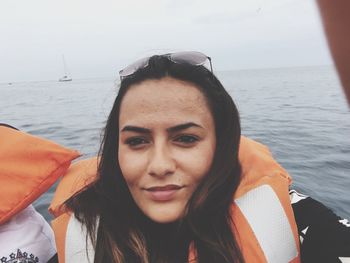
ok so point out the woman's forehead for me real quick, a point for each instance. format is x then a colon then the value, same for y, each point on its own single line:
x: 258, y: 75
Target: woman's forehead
x: 165, y: 96
x: 164, y: 103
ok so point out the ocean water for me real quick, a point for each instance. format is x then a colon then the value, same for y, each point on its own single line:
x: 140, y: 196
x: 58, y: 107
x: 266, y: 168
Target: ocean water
x: 299, y: 113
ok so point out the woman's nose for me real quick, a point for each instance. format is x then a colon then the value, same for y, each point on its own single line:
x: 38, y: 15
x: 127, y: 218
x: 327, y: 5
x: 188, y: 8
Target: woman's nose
x: 161, y: 161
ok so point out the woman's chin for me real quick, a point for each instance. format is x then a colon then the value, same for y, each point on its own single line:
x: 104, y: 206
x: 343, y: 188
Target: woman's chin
x: 164, y: 216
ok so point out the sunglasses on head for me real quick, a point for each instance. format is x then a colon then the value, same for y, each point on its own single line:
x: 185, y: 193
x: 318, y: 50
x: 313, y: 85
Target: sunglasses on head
x: 194, y: 58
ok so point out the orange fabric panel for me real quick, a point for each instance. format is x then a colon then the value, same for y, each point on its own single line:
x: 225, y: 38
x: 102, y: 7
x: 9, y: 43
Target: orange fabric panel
x: 249, y: 245
x: 59, y: 226
x: 29, y: 166
x: 256, y: 162
x: 259, y: 167
x: 285, y: 201
x: 79, y: 175
x: 281, y: 186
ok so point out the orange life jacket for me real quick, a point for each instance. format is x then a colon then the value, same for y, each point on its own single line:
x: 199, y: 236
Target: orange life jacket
x: 29, y: 166
x: 264, y: 223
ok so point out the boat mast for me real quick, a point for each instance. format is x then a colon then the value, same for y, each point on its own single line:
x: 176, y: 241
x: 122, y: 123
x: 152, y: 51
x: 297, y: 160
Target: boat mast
x: 65, y: 67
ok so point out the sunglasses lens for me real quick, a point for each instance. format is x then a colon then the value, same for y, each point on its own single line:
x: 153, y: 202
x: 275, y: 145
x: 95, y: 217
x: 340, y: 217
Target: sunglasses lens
x: 131, y: 69
x: 189, y: 57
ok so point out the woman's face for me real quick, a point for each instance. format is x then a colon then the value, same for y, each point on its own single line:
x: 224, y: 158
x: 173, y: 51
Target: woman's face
x: 166, y: 145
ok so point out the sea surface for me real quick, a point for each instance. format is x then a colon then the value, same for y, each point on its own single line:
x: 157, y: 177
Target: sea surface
x: 299, y: 113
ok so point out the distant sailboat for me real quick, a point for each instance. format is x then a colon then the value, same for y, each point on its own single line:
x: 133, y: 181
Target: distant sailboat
x: 66, y: 76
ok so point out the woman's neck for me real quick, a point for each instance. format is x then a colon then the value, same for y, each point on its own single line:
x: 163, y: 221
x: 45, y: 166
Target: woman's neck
x: 167, y: 242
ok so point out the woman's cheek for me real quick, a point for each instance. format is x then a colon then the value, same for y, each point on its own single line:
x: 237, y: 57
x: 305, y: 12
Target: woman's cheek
x: 131, y: 164
x: 197, y: 162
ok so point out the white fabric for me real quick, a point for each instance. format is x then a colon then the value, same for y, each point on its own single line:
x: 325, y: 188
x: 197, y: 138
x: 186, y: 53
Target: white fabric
x: 26, y: 236
x: 301, y: 239
x: 305, y: 230
x: 344, y: 259
x: 345, y: 222
x: 77, y: 250
x: 295, y: 197
x: 265, y: 214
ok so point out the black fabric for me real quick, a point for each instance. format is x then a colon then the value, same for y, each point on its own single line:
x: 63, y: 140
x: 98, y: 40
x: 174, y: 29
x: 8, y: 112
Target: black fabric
x: 54, y: 259
x: 327, y: 236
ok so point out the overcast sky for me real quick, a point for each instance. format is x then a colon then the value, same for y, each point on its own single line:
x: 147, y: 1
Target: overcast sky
x: 100, y: 37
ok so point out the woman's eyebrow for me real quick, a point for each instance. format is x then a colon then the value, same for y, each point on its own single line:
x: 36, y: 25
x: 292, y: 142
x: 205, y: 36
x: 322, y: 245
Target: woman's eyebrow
x: 176, y: 128
x: 136, y: 129
x: 183, y: 126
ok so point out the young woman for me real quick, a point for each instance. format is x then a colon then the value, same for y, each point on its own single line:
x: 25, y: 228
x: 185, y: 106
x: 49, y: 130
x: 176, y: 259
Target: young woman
x: 176, y: 181
x: 169, y: 167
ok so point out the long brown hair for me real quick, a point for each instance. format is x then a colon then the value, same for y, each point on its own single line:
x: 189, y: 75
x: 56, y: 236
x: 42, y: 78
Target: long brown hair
x: 124, y: 233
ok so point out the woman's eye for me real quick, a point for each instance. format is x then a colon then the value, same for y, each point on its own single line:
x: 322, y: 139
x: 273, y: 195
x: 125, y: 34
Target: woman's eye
x: 134, y: 142
x: 186, y: 139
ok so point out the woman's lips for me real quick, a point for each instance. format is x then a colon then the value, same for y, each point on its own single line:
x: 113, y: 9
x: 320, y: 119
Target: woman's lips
x: 163, y: 193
